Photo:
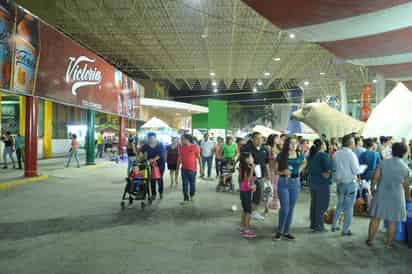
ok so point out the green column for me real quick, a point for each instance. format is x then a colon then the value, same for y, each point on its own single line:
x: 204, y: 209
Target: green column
x: 90, y: 146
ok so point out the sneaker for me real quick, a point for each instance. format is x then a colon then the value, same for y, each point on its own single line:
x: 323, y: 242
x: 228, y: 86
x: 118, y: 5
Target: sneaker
x: 185, y: 202
x: 249, y: 234
x: 289, y: 237
x: 277, y: 236
x: 348, y: 233
x: 257, y: 216
x: 334, y: 229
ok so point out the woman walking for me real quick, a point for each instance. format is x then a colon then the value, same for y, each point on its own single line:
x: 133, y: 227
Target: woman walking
x: 155, y: 154
x: 73, y: 152
x: 171, y: 159
x: 273, y: 148
x: 289, y: 165
x: 320, y: 180
x: 390, y: 190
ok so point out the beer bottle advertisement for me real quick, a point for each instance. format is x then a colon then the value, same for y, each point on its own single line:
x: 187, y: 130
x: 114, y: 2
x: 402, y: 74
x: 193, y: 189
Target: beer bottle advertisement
x: 26, y: 52
x: 6, y: 27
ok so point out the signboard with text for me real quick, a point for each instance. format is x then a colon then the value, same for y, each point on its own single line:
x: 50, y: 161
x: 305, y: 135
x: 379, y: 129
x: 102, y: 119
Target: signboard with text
x: 36, y: 59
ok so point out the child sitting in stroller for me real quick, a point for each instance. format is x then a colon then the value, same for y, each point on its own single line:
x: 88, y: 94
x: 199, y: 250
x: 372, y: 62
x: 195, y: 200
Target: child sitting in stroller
x: 136, y: 177
x: 225, y: 178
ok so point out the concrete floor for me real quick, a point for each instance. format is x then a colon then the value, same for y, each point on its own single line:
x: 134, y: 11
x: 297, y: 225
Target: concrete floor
x: 72, y: 223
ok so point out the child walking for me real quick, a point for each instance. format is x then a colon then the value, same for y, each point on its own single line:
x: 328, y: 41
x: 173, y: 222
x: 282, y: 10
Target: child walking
x: 247, y: 187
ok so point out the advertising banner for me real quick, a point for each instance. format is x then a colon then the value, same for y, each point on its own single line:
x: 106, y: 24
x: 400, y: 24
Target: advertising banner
x: 36, y: 59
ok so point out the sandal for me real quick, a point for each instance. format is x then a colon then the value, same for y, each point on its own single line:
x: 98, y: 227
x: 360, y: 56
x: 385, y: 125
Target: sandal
x: 369, y: 243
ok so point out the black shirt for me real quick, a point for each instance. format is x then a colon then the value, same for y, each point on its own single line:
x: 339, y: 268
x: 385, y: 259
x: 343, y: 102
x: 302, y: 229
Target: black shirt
x: 260, y: 156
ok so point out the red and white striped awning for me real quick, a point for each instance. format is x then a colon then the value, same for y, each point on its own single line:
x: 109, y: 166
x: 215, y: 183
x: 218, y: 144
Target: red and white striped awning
x: 373, y: 33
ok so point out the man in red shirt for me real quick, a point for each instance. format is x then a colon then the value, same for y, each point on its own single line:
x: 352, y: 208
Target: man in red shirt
x: 189, y: 155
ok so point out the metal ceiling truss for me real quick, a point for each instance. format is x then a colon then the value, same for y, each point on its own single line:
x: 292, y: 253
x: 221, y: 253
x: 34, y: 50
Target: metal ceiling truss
x: 183, y: 41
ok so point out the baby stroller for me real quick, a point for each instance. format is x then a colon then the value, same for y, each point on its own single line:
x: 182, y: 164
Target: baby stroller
x: 225, y: 182
x: 138, y: 189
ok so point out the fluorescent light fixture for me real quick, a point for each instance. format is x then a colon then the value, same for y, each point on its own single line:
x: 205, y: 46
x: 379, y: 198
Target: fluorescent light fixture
x: 292, y: 36
x: 267, y: 74
x: 375, y: 81
x: 212, y: 74
x: 215, y: 90
x: 254, y: 89
x: 259, y: 83
x: 306, y: 83
x: 322, y: 73
x: 214, y: 83
x: 277, y: 59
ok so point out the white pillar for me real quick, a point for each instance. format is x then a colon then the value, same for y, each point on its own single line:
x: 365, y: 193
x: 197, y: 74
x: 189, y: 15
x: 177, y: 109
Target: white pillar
x: 343, y: 97
x: 380, y: 88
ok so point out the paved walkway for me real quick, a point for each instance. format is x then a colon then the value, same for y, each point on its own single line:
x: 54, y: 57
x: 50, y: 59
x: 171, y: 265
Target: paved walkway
x: 72, y: 223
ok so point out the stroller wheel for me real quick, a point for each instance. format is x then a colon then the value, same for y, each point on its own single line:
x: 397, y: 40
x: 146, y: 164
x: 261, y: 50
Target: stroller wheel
x: 122, y: 205
x: 143, y: 205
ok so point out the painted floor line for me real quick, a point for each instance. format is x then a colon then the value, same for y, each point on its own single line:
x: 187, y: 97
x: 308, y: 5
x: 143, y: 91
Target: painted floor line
x: 24, y: 181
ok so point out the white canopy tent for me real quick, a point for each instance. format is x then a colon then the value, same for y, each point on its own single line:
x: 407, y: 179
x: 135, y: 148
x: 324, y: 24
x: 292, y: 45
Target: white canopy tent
x: 155, y: 123
x: 391, y: 117
x: 265, y: 131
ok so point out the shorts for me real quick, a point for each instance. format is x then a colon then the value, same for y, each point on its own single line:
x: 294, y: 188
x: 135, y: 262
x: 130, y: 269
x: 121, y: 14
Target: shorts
x: 246, y: 199
x: 172, y: 167
x: 258, y: 194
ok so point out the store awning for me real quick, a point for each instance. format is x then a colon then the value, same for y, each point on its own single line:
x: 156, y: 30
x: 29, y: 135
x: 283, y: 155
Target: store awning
x: 155, y: 123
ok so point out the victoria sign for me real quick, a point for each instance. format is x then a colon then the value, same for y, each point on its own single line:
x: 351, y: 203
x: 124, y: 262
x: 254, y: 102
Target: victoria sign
x: 36, y: 59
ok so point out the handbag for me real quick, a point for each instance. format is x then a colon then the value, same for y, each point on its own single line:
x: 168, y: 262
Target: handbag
x: 155, y: 171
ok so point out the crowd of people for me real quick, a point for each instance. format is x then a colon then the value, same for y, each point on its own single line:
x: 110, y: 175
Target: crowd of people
x: 271, y: 171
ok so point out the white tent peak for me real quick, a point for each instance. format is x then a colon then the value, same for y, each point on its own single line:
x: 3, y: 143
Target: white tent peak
x: 391, y: 117
x: 155, y: 123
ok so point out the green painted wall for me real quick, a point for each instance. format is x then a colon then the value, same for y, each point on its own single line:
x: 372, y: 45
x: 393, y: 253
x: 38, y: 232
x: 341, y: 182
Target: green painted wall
x: 200, y: 121
x: 216, y: 118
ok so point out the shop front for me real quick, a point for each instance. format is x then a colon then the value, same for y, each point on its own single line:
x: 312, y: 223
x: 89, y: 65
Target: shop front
x: 51, y: 88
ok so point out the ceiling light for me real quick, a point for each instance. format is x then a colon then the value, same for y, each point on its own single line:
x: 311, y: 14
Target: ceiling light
x: 277, y: 59
x: 212, y: 74
x: 254, y: 89
x: 306, y: 83
x: 215, y: 90
x: 259, y: 83
x: 267, y: 74
x: 214, y: 83
x: 375, y: 81
x: 322, y: 73
x: 355, y: 101
x: 292, y: 36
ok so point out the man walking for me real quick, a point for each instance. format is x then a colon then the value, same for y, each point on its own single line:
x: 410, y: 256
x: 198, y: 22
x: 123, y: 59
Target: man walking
x: 346, y: 171
x: 260, y: 157
x: 206, y: 147
x: 189, y: 155
x: 19, y: 149
x: 8, y: 149
x: 100, y: 145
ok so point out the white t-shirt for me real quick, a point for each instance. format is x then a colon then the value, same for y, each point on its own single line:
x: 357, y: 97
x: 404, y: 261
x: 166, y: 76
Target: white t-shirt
x: 206, y: 148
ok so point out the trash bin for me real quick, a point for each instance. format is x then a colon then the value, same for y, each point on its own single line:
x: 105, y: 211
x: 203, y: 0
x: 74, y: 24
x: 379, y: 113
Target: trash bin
x: 400, y: 234
x: 409, y: 224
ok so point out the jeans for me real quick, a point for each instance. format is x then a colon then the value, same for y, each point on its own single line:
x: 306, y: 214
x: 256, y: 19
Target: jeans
x: 208, y: 161
x: 319, y: 203
x: 188, y: 180
x: 19, y: 153
x: 73, y: 153
x: 8, y: 151
x: 288, y: 191
x: 218, y: 165
x: 99, y: 153
x: 346, y: 200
